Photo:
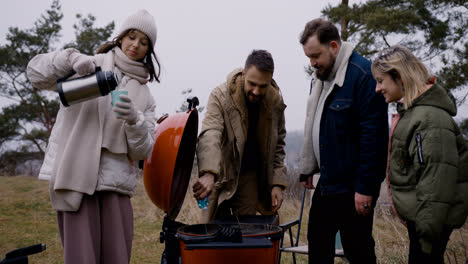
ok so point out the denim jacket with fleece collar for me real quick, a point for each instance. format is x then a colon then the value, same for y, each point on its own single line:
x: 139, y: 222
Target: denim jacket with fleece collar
x: 353, y: 133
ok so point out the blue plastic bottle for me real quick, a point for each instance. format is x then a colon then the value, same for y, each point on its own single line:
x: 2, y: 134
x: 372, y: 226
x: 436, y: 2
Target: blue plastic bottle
x: 203, y: 203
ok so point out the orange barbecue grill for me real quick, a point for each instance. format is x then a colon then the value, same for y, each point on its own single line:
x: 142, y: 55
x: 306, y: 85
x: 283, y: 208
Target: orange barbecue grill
x: 214, y: 243
x: 166, y: 173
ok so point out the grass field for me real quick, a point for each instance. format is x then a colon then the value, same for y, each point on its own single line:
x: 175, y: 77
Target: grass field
x: 26, y: 218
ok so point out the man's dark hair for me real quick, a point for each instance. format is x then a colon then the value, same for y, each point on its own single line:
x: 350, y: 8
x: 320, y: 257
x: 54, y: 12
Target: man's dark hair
x: 261, y: 59
x: 324, y: 29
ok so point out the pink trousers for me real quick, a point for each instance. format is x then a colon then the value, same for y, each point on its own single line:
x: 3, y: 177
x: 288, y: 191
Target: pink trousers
x: 101, y: 231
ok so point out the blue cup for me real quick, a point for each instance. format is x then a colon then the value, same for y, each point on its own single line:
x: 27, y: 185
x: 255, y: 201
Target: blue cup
x: 116, y: 96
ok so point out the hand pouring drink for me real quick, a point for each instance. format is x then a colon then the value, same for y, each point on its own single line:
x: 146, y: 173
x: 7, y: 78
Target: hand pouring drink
x: 87, y: 87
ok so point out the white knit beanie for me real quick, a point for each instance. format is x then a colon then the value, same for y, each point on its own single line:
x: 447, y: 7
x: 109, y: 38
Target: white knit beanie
x: 143, y: 21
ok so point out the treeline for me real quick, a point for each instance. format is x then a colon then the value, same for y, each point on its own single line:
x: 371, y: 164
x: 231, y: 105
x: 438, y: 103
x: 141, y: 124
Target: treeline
x: 434, y: 30
x: 25, y: 124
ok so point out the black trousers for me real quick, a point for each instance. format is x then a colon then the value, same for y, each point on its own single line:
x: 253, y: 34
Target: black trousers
x: 416, y: 255
x: 330, y: 213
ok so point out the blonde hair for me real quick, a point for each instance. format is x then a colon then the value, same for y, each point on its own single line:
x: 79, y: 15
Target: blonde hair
x: 405, y: 69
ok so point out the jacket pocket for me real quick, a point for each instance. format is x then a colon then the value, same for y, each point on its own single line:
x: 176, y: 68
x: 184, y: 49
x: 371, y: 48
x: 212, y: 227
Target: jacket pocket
x: 405, y: 201
x: 339, y: 118
x: 458, y: 210
x: 228, y: 160
x: 340, y: 105
x: 399, y: 166
x: 418, y: 138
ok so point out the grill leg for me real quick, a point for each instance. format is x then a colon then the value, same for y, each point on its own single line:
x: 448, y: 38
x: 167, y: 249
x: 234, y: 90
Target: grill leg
x: 171, y: 254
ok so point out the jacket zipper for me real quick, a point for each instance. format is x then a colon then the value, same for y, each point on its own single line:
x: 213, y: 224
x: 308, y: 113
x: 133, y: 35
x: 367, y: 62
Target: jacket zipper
x: 395, y: 119
x: 419, y: 147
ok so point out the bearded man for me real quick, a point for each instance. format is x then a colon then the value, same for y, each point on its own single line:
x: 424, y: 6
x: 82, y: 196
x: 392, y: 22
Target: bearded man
x: 345, y: 140
x: 241, y: 145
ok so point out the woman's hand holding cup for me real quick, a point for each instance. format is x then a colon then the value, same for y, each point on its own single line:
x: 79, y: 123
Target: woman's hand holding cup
x: 123, y: 107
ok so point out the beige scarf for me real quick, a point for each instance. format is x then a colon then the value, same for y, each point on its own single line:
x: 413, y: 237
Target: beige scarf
x: 131, y: 75
x: 90, y: 126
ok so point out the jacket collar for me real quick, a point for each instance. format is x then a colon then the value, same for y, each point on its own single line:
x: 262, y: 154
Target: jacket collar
x: 270, y: 101
x: 346, y: 50
x: 342, y: 60
x: 435, y: 96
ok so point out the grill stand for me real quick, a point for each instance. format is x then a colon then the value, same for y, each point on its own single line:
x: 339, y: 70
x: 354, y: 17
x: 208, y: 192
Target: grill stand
x: 171, y: 253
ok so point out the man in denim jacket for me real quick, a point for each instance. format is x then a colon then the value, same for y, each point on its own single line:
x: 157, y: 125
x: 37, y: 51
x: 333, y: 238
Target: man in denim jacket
x: 345, y: 139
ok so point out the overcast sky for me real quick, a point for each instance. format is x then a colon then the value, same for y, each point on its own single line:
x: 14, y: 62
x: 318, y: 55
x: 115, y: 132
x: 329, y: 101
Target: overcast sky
x: 200, y: 42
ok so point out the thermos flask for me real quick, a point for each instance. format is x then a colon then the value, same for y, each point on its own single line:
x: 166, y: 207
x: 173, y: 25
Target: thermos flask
x: 86, y: 87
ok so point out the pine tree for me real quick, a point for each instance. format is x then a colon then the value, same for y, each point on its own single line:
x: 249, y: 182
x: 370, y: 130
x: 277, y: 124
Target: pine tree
x: 186, y: 94
x: 435, y: 30
x: 25, y: 125
x: 464, y: 128
x: 87, y: 38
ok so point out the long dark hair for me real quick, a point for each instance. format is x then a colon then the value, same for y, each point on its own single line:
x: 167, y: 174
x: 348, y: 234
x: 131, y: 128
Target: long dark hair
x: 147, y: 60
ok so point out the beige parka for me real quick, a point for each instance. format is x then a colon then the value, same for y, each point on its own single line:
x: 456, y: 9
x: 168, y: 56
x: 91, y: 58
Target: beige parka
x: 224, y: 133
x: 79, y: 142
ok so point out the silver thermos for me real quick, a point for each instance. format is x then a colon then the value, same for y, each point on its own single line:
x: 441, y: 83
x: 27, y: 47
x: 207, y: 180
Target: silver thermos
x: 86, y: 87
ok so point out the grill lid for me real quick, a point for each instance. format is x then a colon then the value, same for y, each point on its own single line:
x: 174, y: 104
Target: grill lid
x: 166, y: 173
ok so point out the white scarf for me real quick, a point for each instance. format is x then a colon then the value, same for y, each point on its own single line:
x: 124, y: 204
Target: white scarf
x: 308, y: 162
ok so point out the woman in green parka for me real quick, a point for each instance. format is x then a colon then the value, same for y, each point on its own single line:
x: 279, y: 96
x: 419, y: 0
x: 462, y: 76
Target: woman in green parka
x: 424, y: 153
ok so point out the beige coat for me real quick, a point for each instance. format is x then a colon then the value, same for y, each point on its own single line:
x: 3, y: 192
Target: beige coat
x: 82, y: 155
x: 224, y: 133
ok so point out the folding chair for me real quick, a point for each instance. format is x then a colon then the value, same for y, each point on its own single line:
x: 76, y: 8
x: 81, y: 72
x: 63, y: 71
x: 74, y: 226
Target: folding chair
x: 294, y: 247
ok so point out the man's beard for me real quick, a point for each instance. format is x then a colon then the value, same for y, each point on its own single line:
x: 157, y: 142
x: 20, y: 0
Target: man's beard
x: 257, y: 98
x: 325, y: 74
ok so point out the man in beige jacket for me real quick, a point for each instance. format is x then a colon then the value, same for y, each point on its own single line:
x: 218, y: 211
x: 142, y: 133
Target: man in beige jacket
x: 241, y: 146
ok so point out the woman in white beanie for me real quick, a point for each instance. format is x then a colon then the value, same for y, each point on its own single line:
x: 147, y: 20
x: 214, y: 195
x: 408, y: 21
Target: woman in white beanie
x: 94, y: 148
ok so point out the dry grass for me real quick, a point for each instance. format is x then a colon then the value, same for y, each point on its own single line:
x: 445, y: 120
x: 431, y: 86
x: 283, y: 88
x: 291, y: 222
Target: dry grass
x: 26, y: 218
x: 391, y: 239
